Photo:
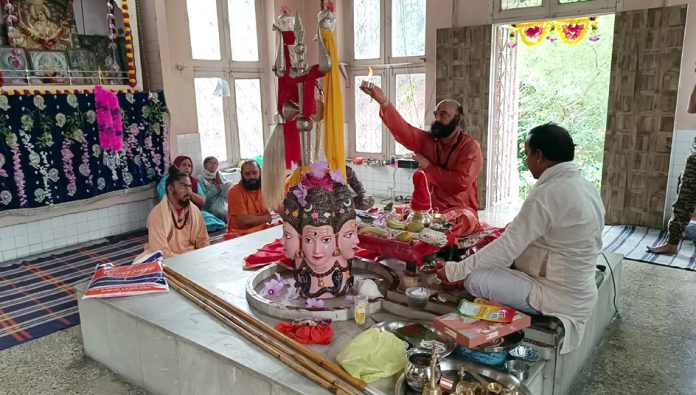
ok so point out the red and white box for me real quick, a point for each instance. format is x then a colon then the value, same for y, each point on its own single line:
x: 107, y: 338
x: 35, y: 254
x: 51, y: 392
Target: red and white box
x: 470, y: 332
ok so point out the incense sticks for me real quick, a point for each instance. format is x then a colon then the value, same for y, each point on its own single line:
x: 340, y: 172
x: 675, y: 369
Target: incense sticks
x: 313, y: 366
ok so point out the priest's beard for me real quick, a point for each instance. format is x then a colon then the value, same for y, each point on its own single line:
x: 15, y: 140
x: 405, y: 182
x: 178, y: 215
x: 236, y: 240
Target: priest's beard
x: 441, y: 131
x: 251, y: 185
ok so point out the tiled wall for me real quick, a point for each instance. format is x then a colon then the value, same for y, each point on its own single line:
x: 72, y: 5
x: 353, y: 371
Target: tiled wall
x: 17, y: 241
x: 681, y: 144
x: 378, y: 179
x: 189, y: 144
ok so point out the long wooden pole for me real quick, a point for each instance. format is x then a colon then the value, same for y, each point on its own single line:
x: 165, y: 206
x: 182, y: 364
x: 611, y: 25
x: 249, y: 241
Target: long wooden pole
x: 301, y: 365
x: 299, y: 348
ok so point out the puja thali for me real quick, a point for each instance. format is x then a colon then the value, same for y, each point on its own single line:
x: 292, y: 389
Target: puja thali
x: 422, y: 336
x: 472, y: 374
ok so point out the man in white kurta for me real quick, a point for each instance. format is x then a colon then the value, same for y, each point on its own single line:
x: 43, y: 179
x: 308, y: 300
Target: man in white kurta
x: 545, y: 260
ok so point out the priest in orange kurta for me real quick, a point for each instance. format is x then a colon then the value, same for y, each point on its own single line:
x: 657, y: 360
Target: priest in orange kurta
x: 245, y: 209
x: 175, y: 226
x: 451, y: 160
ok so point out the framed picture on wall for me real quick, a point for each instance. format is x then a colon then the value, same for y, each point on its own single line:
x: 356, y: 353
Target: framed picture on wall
x: 49, y: 67
x: 83, y: 66
x: 14, y: 66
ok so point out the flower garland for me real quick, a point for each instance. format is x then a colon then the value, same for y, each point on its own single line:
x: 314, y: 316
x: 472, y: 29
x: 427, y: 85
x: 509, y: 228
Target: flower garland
x: 68, y: 166
x: 569, y: 31
x: 19, y: 174
x: 109, y: 120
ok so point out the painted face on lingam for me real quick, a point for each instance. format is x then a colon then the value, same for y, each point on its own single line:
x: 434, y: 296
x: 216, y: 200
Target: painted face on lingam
x: 348, y: 239
x: 291, y: 240
x: 318, y: 245
x: 320, y: 211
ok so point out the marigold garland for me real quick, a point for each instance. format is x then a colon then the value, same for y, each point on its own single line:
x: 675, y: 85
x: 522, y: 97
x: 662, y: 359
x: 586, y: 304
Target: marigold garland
x: 533, y: 33
x: 570, y: 31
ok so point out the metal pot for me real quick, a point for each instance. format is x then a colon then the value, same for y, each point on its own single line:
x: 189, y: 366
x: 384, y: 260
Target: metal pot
x: 418, y: 369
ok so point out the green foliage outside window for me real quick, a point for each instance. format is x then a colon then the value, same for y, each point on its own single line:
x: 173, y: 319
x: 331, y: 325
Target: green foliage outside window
x: 568, y: 85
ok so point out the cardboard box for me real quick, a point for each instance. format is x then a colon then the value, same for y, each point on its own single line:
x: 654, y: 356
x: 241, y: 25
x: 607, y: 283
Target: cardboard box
x: 471, y: 333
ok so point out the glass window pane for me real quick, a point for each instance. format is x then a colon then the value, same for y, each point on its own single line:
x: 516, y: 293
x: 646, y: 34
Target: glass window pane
x: 247, y: 95
x: 410, y: 101
x: 368, y: 124
x: 203, y: 26
x: 366, y: 16
x: 408, y: 28
x: 211, y: 118
x: 512, y: 4
x: 243, y: 30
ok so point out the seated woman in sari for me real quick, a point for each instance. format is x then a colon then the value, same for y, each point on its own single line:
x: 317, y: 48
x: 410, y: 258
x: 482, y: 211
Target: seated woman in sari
x: 215, y: 188
x: 185, y: 164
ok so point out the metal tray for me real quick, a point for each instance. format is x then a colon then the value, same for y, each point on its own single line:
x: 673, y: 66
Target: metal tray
x: 391, y: 326
x: 450, y: 367
x: 509, y: 342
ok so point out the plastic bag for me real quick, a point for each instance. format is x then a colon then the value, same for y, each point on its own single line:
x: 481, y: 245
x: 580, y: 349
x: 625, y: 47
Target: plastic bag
x: 373, y: 355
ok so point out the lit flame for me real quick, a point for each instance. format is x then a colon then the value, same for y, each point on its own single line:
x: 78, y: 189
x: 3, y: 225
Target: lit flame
x: 369, y: 71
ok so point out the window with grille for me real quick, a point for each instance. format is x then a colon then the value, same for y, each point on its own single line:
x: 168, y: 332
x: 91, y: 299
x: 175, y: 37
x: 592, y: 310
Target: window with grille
x: 389, y: 39
x: 228, y: 75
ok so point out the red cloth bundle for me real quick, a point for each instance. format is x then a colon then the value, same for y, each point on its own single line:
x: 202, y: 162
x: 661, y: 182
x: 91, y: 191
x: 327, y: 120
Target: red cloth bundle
x: 307, y: 331
x: 273, y: 253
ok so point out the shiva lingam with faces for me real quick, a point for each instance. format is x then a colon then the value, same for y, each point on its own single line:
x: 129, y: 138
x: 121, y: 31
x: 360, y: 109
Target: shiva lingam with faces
x: 320, y: 233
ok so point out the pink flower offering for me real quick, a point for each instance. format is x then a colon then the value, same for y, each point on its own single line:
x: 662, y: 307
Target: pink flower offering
x: 314, y: 303
x: 273, y: 287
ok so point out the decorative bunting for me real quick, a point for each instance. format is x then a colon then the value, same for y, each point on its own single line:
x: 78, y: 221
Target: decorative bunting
x: 569, y: 31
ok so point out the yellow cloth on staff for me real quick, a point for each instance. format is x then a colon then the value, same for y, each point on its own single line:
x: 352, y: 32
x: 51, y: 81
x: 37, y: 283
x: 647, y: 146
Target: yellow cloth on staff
x: 373, y: 355
x: 333, y: 109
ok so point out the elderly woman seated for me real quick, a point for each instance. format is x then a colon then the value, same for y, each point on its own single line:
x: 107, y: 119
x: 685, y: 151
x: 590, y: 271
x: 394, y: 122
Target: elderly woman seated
x: 215, y: 188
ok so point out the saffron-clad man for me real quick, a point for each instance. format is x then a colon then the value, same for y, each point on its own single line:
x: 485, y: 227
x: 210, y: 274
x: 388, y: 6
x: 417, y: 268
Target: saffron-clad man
x: 544, y: 262
x: 451, y: 159
x: 246, y: 211
x: 176, y: 226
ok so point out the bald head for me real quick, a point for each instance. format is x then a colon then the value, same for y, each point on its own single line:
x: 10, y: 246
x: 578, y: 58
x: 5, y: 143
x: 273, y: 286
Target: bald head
x: 447, y: 116
x: 450, y: 105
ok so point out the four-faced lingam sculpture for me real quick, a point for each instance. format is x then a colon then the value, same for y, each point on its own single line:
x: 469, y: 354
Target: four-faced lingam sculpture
x: 320, y: 233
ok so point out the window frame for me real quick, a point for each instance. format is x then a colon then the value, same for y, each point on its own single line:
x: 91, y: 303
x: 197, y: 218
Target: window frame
x: 387, y: 66
x: 230, y: 70
x: 551, y: 9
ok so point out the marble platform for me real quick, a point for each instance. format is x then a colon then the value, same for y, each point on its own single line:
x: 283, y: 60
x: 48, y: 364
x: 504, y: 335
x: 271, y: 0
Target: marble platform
x: 167, y: 345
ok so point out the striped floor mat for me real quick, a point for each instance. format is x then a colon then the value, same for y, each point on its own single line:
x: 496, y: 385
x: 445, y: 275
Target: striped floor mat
x: 632, y: 240
x: 37, y: 297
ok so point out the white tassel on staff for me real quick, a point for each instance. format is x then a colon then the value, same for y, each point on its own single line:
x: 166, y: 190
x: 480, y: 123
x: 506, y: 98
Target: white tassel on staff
x: 273, y: 172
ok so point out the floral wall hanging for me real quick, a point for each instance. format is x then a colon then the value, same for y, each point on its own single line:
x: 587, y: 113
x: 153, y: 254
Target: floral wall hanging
x: 569, y: 31
x: 51, y: 152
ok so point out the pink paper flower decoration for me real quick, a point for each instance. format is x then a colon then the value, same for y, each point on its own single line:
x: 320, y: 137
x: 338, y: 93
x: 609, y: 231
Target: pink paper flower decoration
x: 318, y: 169
x: 314, y: 303
x: 273, y: 287
x: 337, y: 176
x: 301, y: 193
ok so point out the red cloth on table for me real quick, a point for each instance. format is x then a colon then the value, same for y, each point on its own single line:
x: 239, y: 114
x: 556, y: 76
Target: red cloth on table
x: 307, y: 334
x: 273, y: 253
x: 406, y: 252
